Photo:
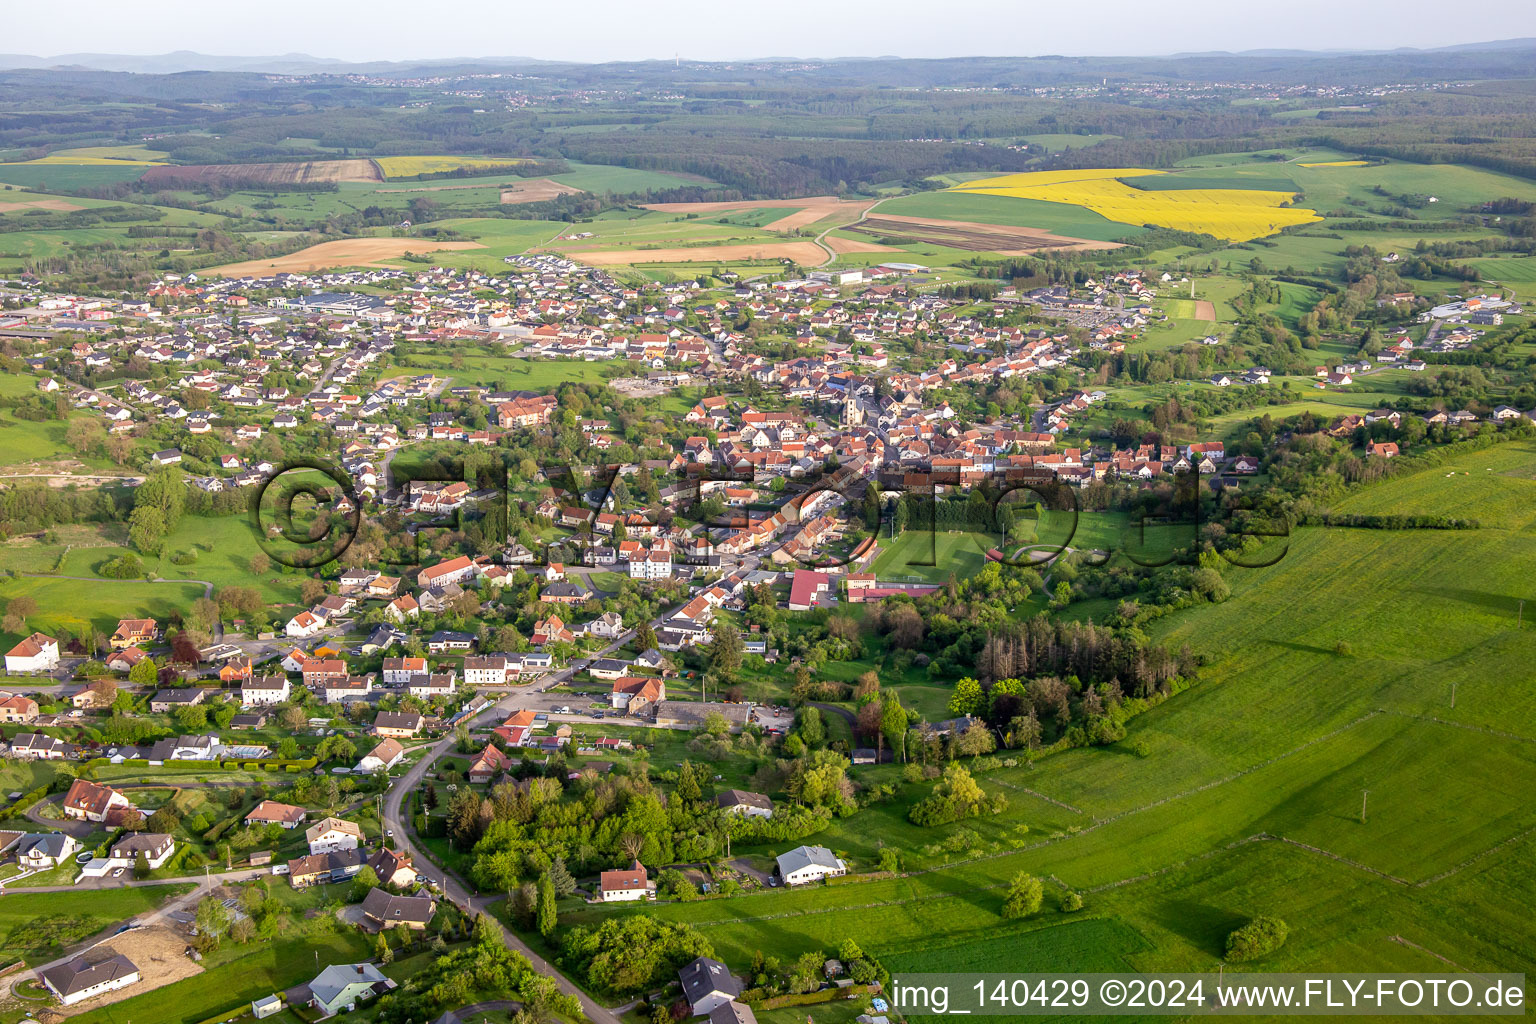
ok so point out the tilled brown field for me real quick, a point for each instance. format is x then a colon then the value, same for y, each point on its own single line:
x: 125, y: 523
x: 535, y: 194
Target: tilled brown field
x: 970, y: 236
x: 264, y: 174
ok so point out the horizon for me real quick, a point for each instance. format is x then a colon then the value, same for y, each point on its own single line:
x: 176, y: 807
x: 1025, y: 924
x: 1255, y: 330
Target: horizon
x: 670, y: 31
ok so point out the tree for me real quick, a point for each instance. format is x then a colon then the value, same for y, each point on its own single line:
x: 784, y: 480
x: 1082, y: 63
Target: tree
x: 144, y: 673
x: 146, y: 529
x: 133, y: 821
x: 312, y: 591
x: 365, y: 880
x: 1025, y: 894
x: 212, y: 918
x: 560, y: 876
x: 725, y: 650
x: 1258, y: 938
x: 17, y: 612
x: 968, y: 698
x: 260, y: 563
x: 546, y: 914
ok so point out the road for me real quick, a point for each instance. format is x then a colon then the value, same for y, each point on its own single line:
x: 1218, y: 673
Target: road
x: 821, y: 238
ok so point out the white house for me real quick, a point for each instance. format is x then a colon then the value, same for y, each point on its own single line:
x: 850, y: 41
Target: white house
x: 485, y: 671
x: 39, y: 851
x: 156, y: 847
x: 76, y: 980
x: 36, y: 653
x: 303, y: 625
x: 623, y: 885
x: 382, y: 758
x: 739, y: 801
x: 402, y: 670
x: 331, y: 834
x: 809, y: 864
x: 261, y: 691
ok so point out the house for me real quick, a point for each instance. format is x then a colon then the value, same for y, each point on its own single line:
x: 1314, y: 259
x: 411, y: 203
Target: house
x: 36, y: 653
x: 122, y: 661
x: 263, y: 691
x: 445, y: 640
x: 809, y: 864
x: 732, y: 1013
x: 485, y: 671
x: 381, y: 910
x: 339, y: 691
x: 607, y: 668
x: 270, y: 812
x: 332, y: 834
x: 633, y: 694
x: 77, y: 980
x: 607, y: 625
x: 90, y: 801
x: 738, y: 801
x: 402, y: 670
x: 195, y: 748
x: 397, y: 723
x: 156, y: 848
x: 323, y: 868
x: 168, y: 457
x: 133, y: 633
x: 491, y: 763
x: 550, y: 631
x: 18, y: 709
x: 1386, y: 449
x: 393, y: 867
x: 181, y: 697
x: 36, y: 745
x: 303, y: 625
x: 631, y: 883
x: 452, y: 571
x: 340, y: 987
x: 707, y: 984
x: 39, y: 851
x: 809, y: 589
x: 438, y: 684
x: 382, y: 757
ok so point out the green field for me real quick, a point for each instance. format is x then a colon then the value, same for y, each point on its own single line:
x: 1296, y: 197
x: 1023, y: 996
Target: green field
x: 953, y: 554
x: 76, y: 606
x: 31, y: 923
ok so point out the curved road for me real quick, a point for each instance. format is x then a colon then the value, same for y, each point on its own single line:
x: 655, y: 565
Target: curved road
x: 821, y: 238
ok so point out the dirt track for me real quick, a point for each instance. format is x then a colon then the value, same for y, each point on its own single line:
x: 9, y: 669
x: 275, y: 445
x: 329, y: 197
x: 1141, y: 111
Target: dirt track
x: 536, y: 190
x: 346, y: 252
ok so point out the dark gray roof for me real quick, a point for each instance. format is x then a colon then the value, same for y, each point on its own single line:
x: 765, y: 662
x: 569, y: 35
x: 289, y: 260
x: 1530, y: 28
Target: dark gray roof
x: 705, y: 976
x: 77, y: 975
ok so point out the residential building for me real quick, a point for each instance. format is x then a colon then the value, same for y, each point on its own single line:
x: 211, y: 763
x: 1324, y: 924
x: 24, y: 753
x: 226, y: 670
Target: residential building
x: 397, y: 723
x: 91, y: 801
x: 738, y: 801
x: 17, y: 708
x: 263, y: 691
x: 331, y: 834
x: 133, y: 633
x: 270, y: 812
x: 39, y: 851
x: 631, y: 883
x: 36, y: 653
x: 340, y: 987
x: 383, y: 757
x: 382, y: 910
x: 806, y: 864
x: 77, y: 981
x: 707, y: 984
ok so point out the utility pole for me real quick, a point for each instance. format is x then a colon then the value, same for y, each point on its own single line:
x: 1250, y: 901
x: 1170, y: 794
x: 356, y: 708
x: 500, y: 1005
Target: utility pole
x: 1365, y: 795
x: 1453, y: 695
x: 1520, y: 615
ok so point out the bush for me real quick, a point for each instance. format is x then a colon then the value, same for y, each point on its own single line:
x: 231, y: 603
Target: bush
x: 1256, y: 939
x: 1025, y: 894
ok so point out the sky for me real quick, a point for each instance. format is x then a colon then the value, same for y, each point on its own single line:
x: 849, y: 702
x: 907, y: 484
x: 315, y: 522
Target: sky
x: 603, y: 30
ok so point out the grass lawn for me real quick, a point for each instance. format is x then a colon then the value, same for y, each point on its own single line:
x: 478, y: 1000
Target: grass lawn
x: 75, y: 606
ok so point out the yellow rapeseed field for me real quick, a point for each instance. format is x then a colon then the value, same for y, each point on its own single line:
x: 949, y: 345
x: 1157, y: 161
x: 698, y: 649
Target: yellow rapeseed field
x: 408, y: 166
x: 1233, y: 214
x: 1340, y: 163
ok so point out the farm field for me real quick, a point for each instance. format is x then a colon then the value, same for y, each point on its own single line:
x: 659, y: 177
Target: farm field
x: 977, y: 208
x: 968, y: 235
x: 1231, y: 213
x: 349, y: 252
x: 296, y: 173
x: 409, y: 166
